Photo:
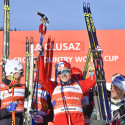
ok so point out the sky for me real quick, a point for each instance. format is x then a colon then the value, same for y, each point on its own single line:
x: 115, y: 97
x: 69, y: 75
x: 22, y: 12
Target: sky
x: 64, y: 14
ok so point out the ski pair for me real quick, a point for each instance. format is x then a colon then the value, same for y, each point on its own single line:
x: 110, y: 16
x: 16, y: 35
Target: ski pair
x: 28, y: 82
x: 5, y: 36
x: 100, y: 92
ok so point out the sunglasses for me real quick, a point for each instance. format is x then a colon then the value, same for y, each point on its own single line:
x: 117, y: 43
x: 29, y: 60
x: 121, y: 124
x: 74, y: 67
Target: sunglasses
x: 20, y: 72
x: 63, y: 71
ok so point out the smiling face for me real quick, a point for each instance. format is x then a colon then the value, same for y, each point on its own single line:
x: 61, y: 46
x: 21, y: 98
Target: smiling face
x: 64, y: 74
x: 116, y: 93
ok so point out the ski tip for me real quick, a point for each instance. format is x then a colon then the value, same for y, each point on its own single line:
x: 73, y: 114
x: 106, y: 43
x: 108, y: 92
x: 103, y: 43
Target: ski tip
x: 53, y: 40
x: 27, y: 39
x: 88, y: 5
x: 49, y: 37
x: 31, y: 40
x: 84, y: 4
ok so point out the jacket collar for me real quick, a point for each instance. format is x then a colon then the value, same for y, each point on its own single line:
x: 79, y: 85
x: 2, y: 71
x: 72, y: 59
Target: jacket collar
x: 113, y: 101
x: 66, y: 83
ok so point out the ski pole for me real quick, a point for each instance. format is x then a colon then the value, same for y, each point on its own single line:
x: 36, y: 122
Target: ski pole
x: 41, y: 26
x: 37, y: 75
x: 42, y: 30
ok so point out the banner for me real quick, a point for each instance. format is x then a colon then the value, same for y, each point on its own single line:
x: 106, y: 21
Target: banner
x: 71, y: 46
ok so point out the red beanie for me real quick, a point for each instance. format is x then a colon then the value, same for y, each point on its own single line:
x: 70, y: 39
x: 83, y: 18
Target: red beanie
x: 63, y: 64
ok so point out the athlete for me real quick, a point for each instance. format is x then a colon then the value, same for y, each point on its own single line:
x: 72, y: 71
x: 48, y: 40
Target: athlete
x: 12, y: 94
x: 117, y: 102
x: 67, y: 96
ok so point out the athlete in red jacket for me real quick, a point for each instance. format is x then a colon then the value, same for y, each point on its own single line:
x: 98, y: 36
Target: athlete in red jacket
x: 12, y: 94
x: 67, y: 96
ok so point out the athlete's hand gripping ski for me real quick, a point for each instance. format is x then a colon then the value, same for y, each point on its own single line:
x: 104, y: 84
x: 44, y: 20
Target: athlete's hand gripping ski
x: 91, y: 71
x: 12, y: 106
x: 98, y: 48
x: 38, y: 118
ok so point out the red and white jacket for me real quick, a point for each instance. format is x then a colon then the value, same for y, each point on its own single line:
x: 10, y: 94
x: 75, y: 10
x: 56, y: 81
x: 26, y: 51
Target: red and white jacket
x: 66, y: 99
x: 6, y: 96
x: 67, y: 96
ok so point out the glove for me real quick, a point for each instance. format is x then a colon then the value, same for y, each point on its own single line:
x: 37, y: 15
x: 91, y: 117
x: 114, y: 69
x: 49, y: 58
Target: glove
x: 38, y: 118
x: 98, y: 48
x: 39, y: 49
x: 91, y: 72
x: 12, y: 106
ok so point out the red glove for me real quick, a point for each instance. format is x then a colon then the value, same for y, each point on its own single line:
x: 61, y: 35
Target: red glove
x: 38, y: 118
x: 41, y: 29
